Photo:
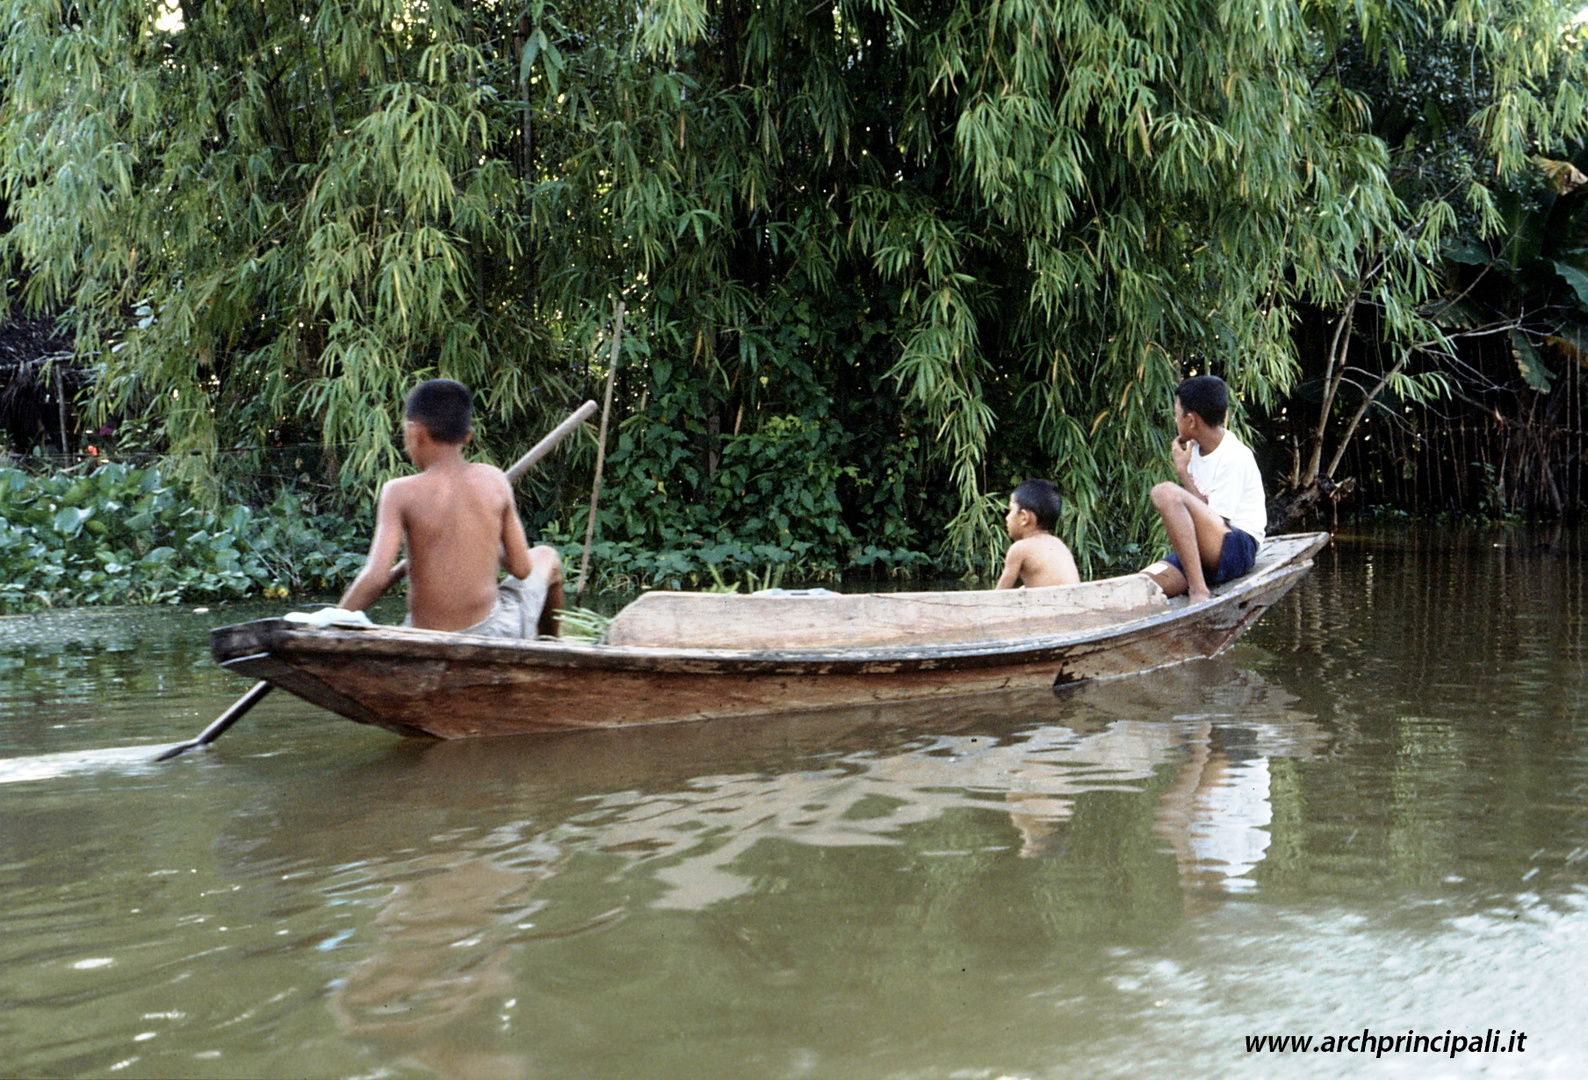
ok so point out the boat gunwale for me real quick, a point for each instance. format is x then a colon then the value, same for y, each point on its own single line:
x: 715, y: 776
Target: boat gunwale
x: 276, y: 636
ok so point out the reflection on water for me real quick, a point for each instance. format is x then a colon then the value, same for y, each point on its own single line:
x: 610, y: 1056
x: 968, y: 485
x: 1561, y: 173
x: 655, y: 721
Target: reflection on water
x: 427, y: 970
x: 1031, y: 777
x: 1372, y: 815
x: 438, y: 947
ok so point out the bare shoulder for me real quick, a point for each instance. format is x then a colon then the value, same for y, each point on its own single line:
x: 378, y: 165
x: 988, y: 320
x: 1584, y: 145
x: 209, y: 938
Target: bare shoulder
x: 401, y: 490
x: 1047, y: 561
x: 489, y: 478
x: 1057, y: 544
x: 1042, y: 543
x: 1060, y: 550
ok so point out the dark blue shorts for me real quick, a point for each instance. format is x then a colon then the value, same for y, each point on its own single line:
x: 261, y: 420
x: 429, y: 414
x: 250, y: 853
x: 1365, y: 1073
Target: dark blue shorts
x: 1236, y: 557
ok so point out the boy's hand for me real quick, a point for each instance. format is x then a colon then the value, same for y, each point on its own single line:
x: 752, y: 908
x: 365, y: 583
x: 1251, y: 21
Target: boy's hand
x: 1180, y: 451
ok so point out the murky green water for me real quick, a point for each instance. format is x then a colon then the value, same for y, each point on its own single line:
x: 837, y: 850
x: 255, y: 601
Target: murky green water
x: 1370, y: 815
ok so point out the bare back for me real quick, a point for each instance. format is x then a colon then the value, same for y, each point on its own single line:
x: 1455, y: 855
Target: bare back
x: 459, y: 523
x: 1039, y: 561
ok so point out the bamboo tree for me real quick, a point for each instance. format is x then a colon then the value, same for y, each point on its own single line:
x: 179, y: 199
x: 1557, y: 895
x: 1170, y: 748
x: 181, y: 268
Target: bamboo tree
x: 881, y: 257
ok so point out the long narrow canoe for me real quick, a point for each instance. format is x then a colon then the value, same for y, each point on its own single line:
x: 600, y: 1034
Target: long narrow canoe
x: 695, y: 656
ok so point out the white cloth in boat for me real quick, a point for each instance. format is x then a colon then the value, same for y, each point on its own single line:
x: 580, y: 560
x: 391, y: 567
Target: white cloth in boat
x: 517, y: 611
x: 328, y: 616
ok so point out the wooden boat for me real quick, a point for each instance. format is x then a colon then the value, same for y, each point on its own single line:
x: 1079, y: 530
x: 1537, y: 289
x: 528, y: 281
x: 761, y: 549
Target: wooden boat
x: 673, y: 656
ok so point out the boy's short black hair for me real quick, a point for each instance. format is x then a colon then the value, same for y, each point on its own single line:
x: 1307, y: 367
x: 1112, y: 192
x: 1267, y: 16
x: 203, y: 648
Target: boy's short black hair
x: 444, y: 407
x: 1205, y: 395
x: 1042, y: 499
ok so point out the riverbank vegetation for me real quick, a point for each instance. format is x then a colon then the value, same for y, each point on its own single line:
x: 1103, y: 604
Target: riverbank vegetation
x: 116, y: 535
x: 881, y: 260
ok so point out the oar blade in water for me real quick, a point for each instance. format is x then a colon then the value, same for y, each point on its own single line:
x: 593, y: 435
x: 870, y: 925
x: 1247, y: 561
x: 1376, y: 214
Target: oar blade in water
x: 222, y: 722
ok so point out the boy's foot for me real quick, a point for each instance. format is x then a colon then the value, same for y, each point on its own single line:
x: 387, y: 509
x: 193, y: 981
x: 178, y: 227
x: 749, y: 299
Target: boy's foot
x: 1195, y: 598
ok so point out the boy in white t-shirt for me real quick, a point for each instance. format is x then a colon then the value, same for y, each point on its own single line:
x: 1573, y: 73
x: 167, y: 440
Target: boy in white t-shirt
x: 1217, y: 514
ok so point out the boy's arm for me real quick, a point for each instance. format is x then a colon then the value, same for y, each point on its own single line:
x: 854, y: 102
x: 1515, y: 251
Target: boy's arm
x: 1180, y: 451
x: 376, y: 575
x: 1012, y: 564
x: 515, y: 547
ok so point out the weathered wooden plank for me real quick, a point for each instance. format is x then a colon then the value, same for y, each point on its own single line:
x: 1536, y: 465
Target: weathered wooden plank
x: 770, y: 621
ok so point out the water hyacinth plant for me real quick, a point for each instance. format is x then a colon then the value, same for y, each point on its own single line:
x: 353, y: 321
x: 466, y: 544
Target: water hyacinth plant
x: 118, y: 535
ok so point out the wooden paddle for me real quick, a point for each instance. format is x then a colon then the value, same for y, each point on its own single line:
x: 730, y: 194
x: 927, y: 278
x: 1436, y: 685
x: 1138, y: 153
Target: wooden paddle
x: 226, y: 719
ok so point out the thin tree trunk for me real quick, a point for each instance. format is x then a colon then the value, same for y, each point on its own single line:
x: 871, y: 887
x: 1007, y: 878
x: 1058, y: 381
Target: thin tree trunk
x: 1361, y: 411
x: 1333, y: 373
x: 601, y: 455
x: 60, y: 405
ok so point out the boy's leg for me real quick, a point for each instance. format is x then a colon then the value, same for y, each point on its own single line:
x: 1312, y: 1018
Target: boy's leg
x: 547, y: 564
x: 1168, y: 577
x: 1197, y: 535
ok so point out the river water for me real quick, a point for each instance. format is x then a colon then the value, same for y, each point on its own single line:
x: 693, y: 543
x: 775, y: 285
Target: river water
x: 1371, y: 815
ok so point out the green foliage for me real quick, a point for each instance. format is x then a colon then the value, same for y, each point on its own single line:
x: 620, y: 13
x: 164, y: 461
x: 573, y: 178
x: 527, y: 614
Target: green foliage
x: 1003, y: 232
x: 627, y: 566
x: 303, y: 211
x: 768, y: 483
x: 881, y: 258
x: 116, y: 535
x: 585, y: 625
x: 1531, y: 278
x: 1411, y: 327
x: 771, y: 579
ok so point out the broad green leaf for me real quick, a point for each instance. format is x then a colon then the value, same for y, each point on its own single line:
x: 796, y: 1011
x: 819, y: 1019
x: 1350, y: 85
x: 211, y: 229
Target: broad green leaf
x: 1577, y: 279
x: 69, y: 520
x: 1468, y: 251
x: 1534, y: 373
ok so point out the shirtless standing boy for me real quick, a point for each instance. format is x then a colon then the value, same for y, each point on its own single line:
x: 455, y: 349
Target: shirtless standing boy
x: 1216, y: 515
x: 1037, y: 557
x: 459, y: 523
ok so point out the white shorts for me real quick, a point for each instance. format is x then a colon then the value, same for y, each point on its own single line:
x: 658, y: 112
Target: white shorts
x: 517, y: 613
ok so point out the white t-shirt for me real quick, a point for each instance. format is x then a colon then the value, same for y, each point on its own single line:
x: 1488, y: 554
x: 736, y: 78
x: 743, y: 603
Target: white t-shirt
x: 1233, y: 485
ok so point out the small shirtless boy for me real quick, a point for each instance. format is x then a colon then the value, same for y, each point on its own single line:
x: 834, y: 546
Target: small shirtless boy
x: 459, y: 523
x: 1037, y: 557
x: 1216, y: 515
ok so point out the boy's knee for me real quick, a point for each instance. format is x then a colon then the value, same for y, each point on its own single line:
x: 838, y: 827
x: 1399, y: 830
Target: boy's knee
x: 1166, y: 494
x: 544, y: 560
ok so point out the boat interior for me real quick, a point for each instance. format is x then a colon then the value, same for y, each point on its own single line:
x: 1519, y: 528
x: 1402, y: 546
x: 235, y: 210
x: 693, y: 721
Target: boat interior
x: 781, y: 619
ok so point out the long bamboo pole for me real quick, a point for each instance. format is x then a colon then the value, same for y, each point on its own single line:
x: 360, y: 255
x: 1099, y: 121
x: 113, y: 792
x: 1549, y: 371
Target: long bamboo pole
x: 601, y: 457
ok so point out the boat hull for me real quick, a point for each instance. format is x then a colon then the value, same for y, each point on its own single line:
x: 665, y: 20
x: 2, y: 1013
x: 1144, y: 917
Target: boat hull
x: 424, y: 683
